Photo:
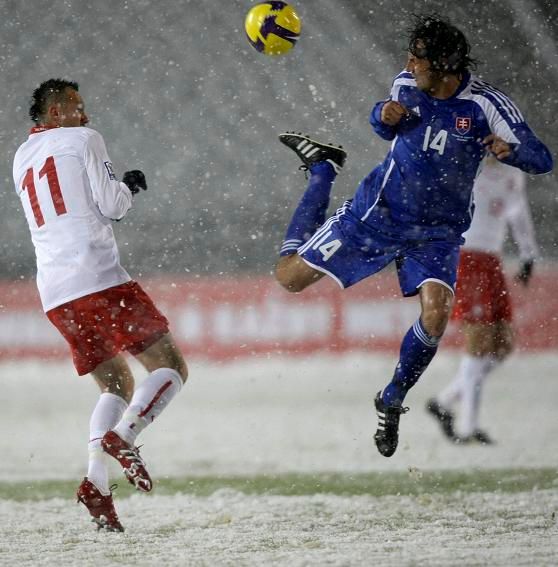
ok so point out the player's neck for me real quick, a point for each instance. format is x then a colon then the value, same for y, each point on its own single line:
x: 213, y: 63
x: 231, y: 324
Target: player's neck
x: 446, y: 87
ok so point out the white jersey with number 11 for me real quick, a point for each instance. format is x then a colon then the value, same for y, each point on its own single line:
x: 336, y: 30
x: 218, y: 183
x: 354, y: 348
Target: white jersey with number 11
x: 70, y: 195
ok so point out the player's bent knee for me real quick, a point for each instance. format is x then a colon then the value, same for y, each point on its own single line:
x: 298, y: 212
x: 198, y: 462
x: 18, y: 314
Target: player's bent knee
x: 175, y: 360
x: 291, y: 285
x: 115, y: 377
x: 435, y: 322
x: 164, y: 354
x: 288, y: 278
x: 436, y: 303
x: 125, y: 390
x: 503, y: 350
x: 294, y: 275
x: 183, y: 371
x: 121, y: 386
x: 435, y: 318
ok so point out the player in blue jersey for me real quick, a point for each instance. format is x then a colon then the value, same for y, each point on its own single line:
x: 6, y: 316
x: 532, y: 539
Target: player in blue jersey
x: 412, y: 208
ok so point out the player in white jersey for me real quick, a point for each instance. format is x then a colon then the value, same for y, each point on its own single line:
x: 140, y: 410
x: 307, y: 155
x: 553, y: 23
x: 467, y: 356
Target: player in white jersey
x: 482, y: 300
x: 70, y: 196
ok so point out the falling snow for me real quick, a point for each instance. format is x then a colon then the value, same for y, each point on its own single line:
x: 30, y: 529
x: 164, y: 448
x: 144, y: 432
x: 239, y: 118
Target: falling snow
x: 176, y: 91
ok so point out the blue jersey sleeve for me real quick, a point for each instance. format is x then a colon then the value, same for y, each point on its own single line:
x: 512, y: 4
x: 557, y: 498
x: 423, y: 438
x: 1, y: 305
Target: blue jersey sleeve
x: 530, y: 154
x: 385, y: 131
x: 506, y: 121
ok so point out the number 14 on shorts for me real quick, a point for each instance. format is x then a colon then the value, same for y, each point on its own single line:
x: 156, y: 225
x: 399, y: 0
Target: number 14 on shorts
x: 328, y: 249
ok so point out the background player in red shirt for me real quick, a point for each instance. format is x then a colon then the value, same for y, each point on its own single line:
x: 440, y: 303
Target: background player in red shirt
x: 70, y: 196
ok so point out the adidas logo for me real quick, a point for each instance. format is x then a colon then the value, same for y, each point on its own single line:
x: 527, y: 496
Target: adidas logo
x: 307, y: 149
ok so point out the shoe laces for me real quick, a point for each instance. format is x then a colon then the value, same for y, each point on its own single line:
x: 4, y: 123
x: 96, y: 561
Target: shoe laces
x: 393, y: 409
x: 305, y: 169
x: 390, y: 414
x: 132, y: 455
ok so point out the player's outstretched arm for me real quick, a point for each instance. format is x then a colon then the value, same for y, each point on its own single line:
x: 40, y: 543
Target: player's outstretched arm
x: 525, y: 151
x: 509, y: 138
x: 522, y: 228
x: 529, y: 155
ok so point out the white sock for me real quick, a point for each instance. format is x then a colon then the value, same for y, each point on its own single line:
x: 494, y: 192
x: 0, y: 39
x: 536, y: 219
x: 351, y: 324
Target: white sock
x: 452, y: 392
x: 475, y: 369
x: 105, y: 416
x: 148, y: 401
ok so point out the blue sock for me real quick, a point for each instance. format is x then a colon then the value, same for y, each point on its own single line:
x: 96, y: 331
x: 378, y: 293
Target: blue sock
x: 417, y: 350
x: 312, y: 208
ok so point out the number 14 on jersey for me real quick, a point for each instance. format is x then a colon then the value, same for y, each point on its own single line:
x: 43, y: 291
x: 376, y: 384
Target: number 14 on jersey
x: 438, y: 143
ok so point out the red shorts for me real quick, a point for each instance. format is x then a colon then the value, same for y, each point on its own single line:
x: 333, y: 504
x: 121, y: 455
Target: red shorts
x: 100, y: 325
x: 481, y: 295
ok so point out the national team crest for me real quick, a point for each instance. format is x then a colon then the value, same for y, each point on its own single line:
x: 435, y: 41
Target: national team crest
x: 462, y: 125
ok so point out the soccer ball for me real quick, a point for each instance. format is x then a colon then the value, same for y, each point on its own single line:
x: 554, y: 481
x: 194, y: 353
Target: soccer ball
x: 272, y: 27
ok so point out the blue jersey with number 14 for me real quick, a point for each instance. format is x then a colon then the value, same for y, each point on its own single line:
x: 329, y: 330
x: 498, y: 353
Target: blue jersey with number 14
x: 423, y: 189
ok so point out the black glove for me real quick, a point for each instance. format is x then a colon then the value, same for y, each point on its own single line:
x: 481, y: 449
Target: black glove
x: 525, y: 272
x: 135, y: 180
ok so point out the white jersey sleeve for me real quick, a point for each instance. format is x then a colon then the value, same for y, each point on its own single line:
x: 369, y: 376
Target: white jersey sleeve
x: 69, y: 193
x: 111, y: 196
x: 500, y: 204
x: 521, y: 222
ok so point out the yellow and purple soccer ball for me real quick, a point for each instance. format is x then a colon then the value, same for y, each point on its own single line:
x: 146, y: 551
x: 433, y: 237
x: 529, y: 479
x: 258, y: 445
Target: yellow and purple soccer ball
x: 272, y: 28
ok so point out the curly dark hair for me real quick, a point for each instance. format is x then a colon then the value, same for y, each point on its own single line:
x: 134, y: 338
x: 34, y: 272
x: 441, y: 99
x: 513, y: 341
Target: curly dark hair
x: 53, y: 90
x: 437, y: 40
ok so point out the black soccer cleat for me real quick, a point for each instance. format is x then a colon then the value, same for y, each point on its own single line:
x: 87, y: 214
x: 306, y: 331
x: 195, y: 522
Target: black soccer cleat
x: 311, y: 152
x: 387, y: 434
x: 444, y: 417
x: 478, y: 436
x: 482, y: 437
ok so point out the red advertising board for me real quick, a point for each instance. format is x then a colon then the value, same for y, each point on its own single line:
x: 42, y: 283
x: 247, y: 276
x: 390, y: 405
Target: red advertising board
x: 223, y: 318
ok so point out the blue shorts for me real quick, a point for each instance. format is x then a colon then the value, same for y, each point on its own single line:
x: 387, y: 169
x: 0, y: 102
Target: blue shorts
x: 349, y: 250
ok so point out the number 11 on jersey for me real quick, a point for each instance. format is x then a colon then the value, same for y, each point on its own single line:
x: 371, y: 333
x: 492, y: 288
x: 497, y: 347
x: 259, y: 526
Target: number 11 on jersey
x: 48, y: 169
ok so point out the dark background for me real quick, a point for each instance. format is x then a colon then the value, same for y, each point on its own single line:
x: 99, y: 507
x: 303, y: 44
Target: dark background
x: 177, y: 91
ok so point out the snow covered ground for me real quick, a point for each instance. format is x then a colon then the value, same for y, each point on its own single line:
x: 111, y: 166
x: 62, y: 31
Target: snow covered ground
x: 230, y: 528
x: 280, y: 415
